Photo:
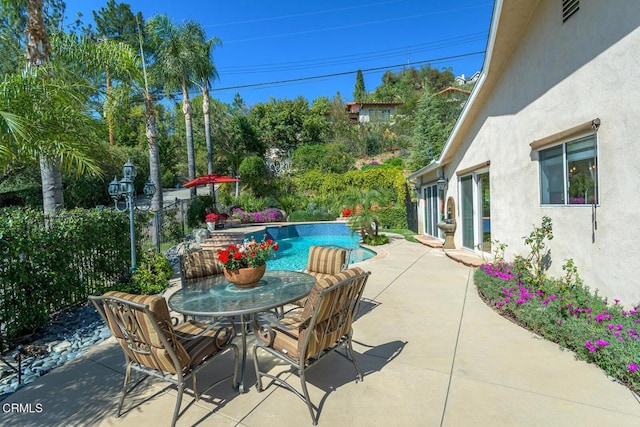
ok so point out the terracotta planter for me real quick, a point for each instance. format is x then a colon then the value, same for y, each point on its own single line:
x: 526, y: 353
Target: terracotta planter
x: 245, y: 277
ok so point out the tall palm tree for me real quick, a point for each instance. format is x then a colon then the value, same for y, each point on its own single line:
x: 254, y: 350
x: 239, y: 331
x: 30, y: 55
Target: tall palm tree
x: 205, y: 72
x: 47, y: 143
x: 177, y: 52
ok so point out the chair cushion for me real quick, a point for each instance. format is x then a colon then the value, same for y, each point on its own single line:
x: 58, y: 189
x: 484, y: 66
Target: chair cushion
x: 201, y: 348
x: 284, y: 340
x: 200, y: 264
x: 326, y: 260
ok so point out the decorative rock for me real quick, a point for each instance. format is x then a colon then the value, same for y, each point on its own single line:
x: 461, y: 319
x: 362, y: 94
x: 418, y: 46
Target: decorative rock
x: 58, y: 348
x: 200, y: 234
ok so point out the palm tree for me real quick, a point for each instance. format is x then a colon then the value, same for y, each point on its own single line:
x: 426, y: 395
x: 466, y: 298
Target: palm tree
x: 178, y: 51
x: 364, y: 205
x: 54, y: 102
x: 205, y: 72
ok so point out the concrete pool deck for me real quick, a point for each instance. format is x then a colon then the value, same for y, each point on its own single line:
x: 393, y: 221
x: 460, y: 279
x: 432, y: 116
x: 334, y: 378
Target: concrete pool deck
x: 432, y: 354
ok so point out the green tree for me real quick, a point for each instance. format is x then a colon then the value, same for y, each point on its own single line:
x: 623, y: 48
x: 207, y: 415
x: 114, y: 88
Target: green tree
x: 434, y: 121
x: 53, y: 101
x: 239, y: 139
x: 281, y: 123
x: 254, y: 174
x: 327, y: 158
x: 359, y: 93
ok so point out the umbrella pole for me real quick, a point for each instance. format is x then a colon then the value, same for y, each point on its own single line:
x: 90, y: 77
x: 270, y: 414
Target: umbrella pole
x: 212, y: 190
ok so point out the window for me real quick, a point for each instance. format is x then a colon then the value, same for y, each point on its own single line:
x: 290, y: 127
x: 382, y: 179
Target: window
x: 569, y: 173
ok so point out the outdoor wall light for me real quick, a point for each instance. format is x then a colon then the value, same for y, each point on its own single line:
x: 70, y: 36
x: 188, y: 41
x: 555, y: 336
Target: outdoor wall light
x: 124, y: 189
x: 442, y: 183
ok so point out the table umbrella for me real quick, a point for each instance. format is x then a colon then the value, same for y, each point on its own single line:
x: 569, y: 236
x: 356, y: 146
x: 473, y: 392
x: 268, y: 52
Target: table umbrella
x: 210, y: 179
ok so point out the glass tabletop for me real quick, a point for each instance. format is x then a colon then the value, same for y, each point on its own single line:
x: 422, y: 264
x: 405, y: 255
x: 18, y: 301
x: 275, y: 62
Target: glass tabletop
x: 215, y: 296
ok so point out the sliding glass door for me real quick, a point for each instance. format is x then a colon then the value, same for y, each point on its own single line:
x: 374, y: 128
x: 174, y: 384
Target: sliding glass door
x: 432, y: 203
x: 468, y: 211
x: 475, y: 197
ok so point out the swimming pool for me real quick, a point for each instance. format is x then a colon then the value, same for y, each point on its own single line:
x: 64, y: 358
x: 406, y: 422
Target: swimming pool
x: 296, y: 239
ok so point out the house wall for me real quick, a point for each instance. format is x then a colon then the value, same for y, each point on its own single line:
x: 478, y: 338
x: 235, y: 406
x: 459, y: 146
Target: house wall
x: 558, y: 76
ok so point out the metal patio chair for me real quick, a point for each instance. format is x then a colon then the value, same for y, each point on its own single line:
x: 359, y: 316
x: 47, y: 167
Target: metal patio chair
x: 153, y: 346
x: 305, y: 336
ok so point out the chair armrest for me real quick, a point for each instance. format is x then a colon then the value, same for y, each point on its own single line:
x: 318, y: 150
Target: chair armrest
x: 220, y: 328
x: 263, y: 328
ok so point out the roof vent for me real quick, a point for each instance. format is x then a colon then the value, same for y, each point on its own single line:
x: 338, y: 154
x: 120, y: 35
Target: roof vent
x: 569, y: 7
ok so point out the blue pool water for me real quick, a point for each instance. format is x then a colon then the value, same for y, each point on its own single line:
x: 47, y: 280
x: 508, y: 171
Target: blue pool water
x: 296, y: 239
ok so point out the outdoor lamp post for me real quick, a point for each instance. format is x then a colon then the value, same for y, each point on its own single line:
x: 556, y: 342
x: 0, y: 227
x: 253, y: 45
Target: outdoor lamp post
x: 124, y: 189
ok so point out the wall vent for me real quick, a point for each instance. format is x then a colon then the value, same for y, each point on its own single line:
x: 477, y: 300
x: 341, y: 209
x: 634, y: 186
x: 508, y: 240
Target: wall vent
x: 569, y: 7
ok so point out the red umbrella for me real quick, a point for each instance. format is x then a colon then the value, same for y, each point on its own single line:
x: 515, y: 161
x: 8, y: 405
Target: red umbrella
x: 210, y: 179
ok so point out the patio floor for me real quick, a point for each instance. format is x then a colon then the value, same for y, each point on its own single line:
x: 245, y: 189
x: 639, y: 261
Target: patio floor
x: 432, y: 354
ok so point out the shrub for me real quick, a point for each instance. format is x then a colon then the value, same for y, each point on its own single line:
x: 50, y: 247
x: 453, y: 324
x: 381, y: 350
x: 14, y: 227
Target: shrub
x: 152, y: 275
x: 48, y: 268
x: 380, y: 239
x: 197, y: 210
x: 563, y: 310
x: 314, y: 215
x: 392, y: 217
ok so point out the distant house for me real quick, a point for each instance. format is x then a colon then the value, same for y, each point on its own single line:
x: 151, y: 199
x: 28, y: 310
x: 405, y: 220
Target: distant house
x: 551, y: 128
x: 371, y: 112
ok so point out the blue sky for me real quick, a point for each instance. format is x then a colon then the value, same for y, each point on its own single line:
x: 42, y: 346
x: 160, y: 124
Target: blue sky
x: 314, y: 48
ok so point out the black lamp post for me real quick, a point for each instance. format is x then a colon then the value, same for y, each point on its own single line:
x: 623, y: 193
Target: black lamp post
x: 124, y: 189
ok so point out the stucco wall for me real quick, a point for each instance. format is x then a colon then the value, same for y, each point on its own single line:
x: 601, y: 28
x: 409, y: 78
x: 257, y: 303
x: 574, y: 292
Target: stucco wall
x: 558, y: 76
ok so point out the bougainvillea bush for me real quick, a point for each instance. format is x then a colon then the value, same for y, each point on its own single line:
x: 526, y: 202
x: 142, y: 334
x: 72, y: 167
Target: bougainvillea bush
x: 266, y: 215
x: 565, y: 311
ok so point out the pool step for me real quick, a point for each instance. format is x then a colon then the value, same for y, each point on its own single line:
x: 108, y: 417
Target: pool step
x: 222, y: 239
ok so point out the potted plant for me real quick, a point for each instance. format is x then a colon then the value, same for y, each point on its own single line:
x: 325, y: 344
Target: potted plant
x: 245, y: 264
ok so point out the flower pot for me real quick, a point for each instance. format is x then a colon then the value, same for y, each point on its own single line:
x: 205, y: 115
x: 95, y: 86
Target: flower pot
x: 211, y: 226
x: 245, y: 277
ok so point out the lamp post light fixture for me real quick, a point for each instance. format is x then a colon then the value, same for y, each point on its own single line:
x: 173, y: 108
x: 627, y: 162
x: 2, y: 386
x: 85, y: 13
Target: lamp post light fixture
x: 124, y: 189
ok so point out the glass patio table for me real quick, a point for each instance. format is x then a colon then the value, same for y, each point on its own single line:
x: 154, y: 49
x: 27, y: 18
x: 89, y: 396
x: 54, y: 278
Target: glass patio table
x: 215, y: 296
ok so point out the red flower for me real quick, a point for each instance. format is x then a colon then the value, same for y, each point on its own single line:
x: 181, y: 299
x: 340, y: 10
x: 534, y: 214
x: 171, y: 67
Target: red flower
x: 223, y: 256
x: 237, y: 255
x: 276, y: 247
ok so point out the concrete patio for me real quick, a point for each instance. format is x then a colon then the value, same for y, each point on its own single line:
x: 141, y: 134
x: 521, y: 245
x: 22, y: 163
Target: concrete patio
x: 432, y: 353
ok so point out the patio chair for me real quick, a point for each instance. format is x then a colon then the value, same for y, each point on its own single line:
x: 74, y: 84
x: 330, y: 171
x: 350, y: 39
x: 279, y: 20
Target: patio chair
x: 153, y: 346
x: 199, y: 264
x: 325, y: 261
x: 305, y: 336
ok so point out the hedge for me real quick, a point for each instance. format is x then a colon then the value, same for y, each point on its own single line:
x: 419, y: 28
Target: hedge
x: 49, y: 264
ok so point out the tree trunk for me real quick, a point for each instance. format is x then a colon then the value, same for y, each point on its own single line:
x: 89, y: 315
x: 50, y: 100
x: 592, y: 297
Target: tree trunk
x: 206, y: 108
x: 154, y: 156
x: 38, y: 51
x: 108, y: 115
x: 51, y: 178
x: 191, y: 158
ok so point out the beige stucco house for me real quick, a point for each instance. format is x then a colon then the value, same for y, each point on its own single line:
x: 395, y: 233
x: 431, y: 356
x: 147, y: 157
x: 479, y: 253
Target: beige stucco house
x: 552, y: 128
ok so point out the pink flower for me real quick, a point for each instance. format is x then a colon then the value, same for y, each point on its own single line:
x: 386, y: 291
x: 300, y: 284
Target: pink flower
x: 632, y: 367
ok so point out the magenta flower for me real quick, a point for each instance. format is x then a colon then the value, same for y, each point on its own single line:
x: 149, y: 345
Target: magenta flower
x: 632, y: 367
x: 602, y: 343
